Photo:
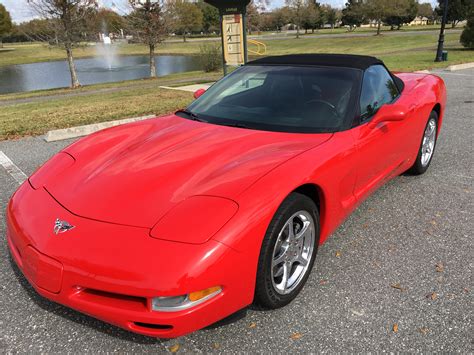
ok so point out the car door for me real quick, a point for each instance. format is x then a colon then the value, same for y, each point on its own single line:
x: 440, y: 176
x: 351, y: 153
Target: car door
x: 378, y: 148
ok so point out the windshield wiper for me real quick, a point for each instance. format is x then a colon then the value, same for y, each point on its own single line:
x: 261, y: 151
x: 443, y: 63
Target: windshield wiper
x: 193, y: 116
x: 236, y: 124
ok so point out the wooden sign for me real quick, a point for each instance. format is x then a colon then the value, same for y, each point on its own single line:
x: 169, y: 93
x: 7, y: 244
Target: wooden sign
x: 233, y: 39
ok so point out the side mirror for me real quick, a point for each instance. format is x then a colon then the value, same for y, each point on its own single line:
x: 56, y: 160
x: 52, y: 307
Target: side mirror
x: 199, y: 92
x: 388, y: 113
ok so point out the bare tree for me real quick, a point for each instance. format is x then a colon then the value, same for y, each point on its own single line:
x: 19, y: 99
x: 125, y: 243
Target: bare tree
x: 298, y: 9
x: 148, y: 26
x: 67, y: 19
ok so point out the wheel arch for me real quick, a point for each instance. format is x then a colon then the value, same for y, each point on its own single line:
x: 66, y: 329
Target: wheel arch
x: 437, y: 108
x: 315, y: 193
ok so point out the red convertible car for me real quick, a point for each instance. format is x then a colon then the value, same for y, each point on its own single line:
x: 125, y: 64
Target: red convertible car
x: 167, y: 225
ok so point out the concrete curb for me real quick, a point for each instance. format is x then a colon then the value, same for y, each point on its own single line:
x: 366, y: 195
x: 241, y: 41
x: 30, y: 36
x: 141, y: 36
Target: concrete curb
x: 189, y: 88
x: 79, y: 131
x: 460, y: 66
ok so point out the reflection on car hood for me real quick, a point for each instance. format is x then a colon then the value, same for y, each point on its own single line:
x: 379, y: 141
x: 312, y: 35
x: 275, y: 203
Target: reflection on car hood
x: 133, y: 174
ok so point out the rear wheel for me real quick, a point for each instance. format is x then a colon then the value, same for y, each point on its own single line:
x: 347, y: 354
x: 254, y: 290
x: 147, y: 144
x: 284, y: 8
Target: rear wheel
x: 427, y: 148
x: 288, y: 252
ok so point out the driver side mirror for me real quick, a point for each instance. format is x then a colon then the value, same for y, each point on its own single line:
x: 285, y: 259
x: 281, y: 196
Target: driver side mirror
x: 199, y: 92
x: 388, y: 113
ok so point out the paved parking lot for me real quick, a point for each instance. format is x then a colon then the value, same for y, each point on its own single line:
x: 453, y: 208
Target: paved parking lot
x: 396, y: 276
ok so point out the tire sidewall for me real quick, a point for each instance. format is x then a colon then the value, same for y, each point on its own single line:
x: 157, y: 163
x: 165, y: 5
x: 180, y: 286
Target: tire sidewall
x: 418, y: 168
x: 265, y: 291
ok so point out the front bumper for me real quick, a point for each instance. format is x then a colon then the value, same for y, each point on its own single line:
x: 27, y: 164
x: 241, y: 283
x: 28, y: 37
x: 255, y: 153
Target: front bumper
x: 111, y: 272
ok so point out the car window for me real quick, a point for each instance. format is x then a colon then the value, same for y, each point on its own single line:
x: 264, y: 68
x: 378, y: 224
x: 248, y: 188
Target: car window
x: 282, y: 98
x: 378, y: 88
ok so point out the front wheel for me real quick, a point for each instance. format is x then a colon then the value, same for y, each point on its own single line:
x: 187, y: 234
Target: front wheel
x: 288, y: 252
x: 428, y: 144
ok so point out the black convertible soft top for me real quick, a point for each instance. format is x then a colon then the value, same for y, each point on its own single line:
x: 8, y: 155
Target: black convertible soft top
x: 333, y: 60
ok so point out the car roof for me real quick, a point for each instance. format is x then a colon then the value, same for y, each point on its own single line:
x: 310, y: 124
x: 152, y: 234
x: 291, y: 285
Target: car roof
x: 333, y: 60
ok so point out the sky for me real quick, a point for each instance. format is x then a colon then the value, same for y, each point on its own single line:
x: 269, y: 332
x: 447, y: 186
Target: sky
x: 20, y: 12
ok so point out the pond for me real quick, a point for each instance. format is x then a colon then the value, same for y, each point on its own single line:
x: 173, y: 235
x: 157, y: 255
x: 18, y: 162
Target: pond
x: 51, y: 75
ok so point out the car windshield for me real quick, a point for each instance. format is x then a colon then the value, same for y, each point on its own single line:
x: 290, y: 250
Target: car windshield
x: 281, y: 98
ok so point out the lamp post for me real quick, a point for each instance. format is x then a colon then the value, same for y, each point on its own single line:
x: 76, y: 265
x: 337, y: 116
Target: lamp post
x: 439, y: 51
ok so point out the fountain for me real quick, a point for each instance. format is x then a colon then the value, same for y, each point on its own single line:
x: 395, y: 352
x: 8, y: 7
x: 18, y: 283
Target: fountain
x: 106, y: 51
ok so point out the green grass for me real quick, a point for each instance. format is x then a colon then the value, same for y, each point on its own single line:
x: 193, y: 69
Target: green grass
x: 37, y: 118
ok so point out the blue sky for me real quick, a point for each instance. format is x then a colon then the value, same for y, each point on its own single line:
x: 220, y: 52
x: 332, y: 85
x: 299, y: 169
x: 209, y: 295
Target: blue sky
x: 20, y: 11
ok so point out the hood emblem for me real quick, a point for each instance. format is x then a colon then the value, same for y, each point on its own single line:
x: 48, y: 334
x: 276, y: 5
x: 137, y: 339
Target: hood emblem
x: 62, y: 226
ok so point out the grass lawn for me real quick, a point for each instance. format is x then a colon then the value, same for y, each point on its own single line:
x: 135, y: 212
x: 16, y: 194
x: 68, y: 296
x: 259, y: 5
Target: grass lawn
x: 39, y: 117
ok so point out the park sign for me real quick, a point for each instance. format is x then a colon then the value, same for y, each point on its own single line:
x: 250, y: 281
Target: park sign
x: 233, y: 32
x: 229, y: 7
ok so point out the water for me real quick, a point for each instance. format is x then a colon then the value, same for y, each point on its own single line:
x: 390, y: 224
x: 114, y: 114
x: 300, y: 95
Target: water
x: 103, y: 69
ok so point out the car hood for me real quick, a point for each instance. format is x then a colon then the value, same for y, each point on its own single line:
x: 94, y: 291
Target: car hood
x: 133, y: 174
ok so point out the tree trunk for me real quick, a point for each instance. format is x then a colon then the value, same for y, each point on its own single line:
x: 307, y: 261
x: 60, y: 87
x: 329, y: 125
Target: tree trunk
x: 1, y: 43
x: 379, y: 24
x: 453, y: 24
x: 152, y: 61
x: 72, y: 67
x: 297, y: 31
x: 184, y: 36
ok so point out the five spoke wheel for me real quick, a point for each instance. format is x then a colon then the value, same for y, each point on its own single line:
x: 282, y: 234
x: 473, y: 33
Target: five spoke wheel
x: 429, y: 139
x: 292, y: 252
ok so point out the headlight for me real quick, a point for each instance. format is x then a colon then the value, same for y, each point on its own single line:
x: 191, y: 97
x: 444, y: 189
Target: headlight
x: 52, y: 168
x: 179, y: 303
x: 195, y: 220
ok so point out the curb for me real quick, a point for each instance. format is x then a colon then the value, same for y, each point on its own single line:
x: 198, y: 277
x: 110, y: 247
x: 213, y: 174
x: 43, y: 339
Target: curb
x: 460, y: 66
x: 79, y: 131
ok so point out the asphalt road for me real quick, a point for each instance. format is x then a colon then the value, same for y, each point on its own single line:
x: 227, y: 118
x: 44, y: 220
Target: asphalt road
x: 404, y: 258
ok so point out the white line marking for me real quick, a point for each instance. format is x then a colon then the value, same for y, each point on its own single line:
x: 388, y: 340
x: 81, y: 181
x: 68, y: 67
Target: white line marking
x: 12, y: 169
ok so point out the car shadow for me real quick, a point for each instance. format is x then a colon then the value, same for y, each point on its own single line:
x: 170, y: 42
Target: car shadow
x: 96, y: 324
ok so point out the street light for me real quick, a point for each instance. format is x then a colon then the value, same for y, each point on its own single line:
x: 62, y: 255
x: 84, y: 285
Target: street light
x: 439, y: 52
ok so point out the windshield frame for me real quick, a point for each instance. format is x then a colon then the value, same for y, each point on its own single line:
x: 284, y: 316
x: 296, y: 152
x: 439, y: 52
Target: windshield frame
x: 347, y: 120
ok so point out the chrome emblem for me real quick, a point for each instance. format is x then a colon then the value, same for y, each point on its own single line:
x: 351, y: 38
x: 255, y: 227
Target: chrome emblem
x: 62, y: 226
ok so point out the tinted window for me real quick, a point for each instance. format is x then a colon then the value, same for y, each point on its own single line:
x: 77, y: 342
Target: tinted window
x: 378, y: 89
x: 282, y: 98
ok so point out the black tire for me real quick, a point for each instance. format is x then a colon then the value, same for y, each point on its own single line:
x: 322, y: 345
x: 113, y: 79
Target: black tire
x: 418, y: 167
x: 266, y: 294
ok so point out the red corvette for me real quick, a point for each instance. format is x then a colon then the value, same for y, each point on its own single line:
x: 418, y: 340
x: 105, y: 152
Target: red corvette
x: 165, y: 226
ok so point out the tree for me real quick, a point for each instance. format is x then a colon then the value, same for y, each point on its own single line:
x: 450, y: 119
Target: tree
x: 298, y: 9
x: 105, y: 21
x: 330, y: 15
x: 6, y: 24
x: 426, y: 10
x: 67, y: 20
x: 457, y: 10
x: 353, y: 15
x: 37, y: 30
x: 311, y: 18
x: 185, y: 16
x: 400, y: 12
x: 467, y: 35
x: 253, y: 18
x: 148, y: 26
x: 280, y: 17
x: 378, y: 10
x: 210, y: 17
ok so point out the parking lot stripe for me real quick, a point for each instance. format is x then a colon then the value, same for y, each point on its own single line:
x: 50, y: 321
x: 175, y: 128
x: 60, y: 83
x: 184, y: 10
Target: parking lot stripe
x: 12, y: 169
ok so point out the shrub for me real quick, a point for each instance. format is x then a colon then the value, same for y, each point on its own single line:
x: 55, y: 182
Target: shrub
x: 467, y: 36
x: 210, y: 55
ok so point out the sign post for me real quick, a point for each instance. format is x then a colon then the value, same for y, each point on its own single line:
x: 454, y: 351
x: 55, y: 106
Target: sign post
x: 233, y: 31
